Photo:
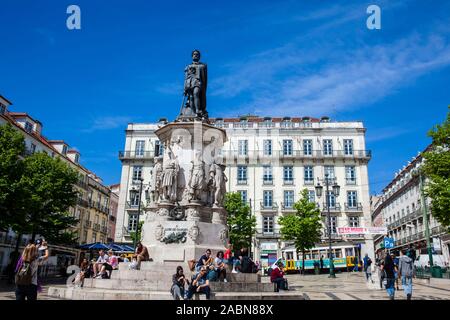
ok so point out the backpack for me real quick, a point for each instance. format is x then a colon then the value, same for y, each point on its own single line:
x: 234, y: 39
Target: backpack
x: 24, y: 276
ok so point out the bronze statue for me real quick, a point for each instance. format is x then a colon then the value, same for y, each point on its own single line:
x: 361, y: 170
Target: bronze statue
x: 195, y: 83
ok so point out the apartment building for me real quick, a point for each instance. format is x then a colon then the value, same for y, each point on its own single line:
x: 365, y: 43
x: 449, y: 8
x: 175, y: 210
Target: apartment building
x: 269, y: 161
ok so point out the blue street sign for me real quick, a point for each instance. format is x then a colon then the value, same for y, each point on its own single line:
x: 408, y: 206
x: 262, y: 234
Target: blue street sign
x: 388, y: 243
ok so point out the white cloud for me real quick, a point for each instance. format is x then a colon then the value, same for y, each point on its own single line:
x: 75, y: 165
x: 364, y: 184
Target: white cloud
x: 107, y: 123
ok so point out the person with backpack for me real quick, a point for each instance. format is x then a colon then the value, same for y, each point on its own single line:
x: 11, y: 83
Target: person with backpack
x: 388, y: 270
x: 406, y: 272
x: 26, y: 276
x: 367, y: 267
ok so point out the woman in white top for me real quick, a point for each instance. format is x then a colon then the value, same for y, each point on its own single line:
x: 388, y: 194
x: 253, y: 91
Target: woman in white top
x: 219, y: 267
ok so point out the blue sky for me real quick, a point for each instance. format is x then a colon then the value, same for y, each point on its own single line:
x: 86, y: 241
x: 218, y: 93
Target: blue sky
x: 272, y: 58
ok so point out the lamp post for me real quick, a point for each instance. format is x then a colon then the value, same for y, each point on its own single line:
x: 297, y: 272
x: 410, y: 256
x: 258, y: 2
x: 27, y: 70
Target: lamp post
x: 336, y: 189
x: 139, y: 213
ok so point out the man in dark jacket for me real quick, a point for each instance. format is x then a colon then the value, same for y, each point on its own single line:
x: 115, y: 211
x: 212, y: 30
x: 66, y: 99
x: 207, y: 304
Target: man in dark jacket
x: 406, y: 272
x: 388, y: 268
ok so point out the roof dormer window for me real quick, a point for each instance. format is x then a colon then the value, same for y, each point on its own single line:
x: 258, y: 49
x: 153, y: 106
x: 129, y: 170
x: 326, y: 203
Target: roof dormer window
x: 64, y: 150
x: 28, y: 126
x: 2, y: 108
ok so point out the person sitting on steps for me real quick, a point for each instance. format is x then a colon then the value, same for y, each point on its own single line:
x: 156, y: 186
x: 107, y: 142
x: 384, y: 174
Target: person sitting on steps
x: 220, y: 267
x: 178, y: 284
x: 200, y: 284
x: 277, y: 277
x: 141, y: 254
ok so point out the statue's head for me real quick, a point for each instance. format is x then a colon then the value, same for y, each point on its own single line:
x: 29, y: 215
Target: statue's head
x: 196, y: 55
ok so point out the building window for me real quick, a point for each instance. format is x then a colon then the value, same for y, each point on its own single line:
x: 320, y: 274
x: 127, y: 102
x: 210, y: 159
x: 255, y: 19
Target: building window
x: 286, y: 123
x: 33, y: 148
x: 268, y: 198
x: 242, y: 174
x: 132, y: 222
x: 288, y: 174
x: 353, y: 221
x: 267, y: 175
x: 85, y: 236
x: 267, y: 147
x: 2, y: 108
x: 307, y: 147
x: 268, y: 224
x: 311, y: 196
x: 140, y: 148
x: 287, y: 147
x: 77, y: 158
x: 350, y: 175
x: 134, y: 197
x: 243, y: 147
x: 243, y: 195
x: 333, y: 220
x: 352, y: 200
x: 159, y: 149
x: 28, y: 126
x: 348, y: 147
x: 328, y: 170
x: 328, y: 147
x: 331, y: 199
x: 288, y: 199
x: 137, y: 172
x: 309, y: 175
x: 94, y: 237
x: 64, y: 150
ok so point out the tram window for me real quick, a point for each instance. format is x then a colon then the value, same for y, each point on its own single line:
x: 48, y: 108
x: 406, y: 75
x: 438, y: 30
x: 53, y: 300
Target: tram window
x: 289, y: 255
x: 338, y: 253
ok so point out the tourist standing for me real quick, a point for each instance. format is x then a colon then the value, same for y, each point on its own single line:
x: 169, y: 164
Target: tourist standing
x: 406, y: 272
x: 367, y: 267
x: 26, y: 276
x: 388, y: 268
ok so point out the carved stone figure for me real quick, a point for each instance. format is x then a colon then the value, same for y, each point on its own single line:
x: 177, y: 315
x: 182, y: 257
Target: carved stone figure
x: 155, y: 185
x: 159, y: 232
x: 169, y: 180
x: 197, y: 180
x: 224, y: 235
x: 195, y: 83
x: 217, y: 173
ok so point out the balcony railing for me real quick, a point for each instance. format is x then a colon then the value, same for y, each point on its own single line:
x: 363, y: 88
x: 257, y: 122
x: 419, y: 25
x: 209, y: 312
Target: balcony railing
x: 267, y: 181
x: 269, y: 207
x: 104, y: 229
x: 96, y: 227
x: 335, y: 208
x: 82, y: 202
x: 287, y: 206
x: 242, y: 182
x: 288, y: 181
x: 133, y: 205
x: 87, y: 224
x: 267, y: 235
x: 232, y: 155
x: 350, y: 181
x: 353, y: 207
x: 127, y: 155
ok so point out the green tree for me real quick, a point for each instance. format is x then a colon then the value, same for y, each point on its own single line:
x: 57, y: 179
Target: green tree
x: 437, y: 169
x: 48, y: 186
x: 133, y: 234
x: 12, y: 148
x: 241, y: 224
x: 304, y: 227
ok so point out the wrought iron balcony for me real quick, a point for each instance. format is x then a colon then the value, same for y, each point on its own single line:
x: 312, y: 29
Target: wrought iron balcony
x: 335, y: 208
x: 260, y: 233
x: 96, y: 227
x: 287, y: 206
x: 87, y: 224
x: 130, y: 155
x: 353, y: 207
x: 288, y: 181
x: 242, y: 182
x: 131, y: 205
x: 269, y: 206
x: 268, y: 181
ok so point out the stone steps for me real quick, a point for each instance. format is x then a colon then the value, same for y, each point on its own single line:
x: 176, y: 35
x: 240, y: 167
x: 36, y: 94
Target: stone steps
x: 165, y: 285
x: 119, y: 294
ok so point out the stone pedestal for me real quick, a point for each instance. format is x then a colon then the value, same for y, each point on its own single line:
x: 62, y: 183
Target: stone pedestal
x: 185, y: 222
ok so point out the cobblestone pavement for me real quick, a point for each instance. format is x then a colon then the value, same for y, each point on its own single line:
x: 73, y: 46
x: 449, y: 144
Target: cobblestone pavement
x: 353, y: 286
x: 346, y: 286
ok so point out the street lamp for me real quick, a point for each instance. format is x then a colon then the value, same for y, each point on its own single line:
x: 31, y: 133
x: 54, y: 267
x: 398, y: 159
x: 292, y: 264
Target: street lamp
x: 336, y: 190
x: 139, y: 212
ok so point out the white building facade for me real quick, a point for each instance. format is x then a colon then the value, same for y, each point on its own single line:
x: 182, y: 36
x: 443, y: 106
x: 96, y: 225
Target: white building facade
x: 401, y: 210
x: 269, y: 161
